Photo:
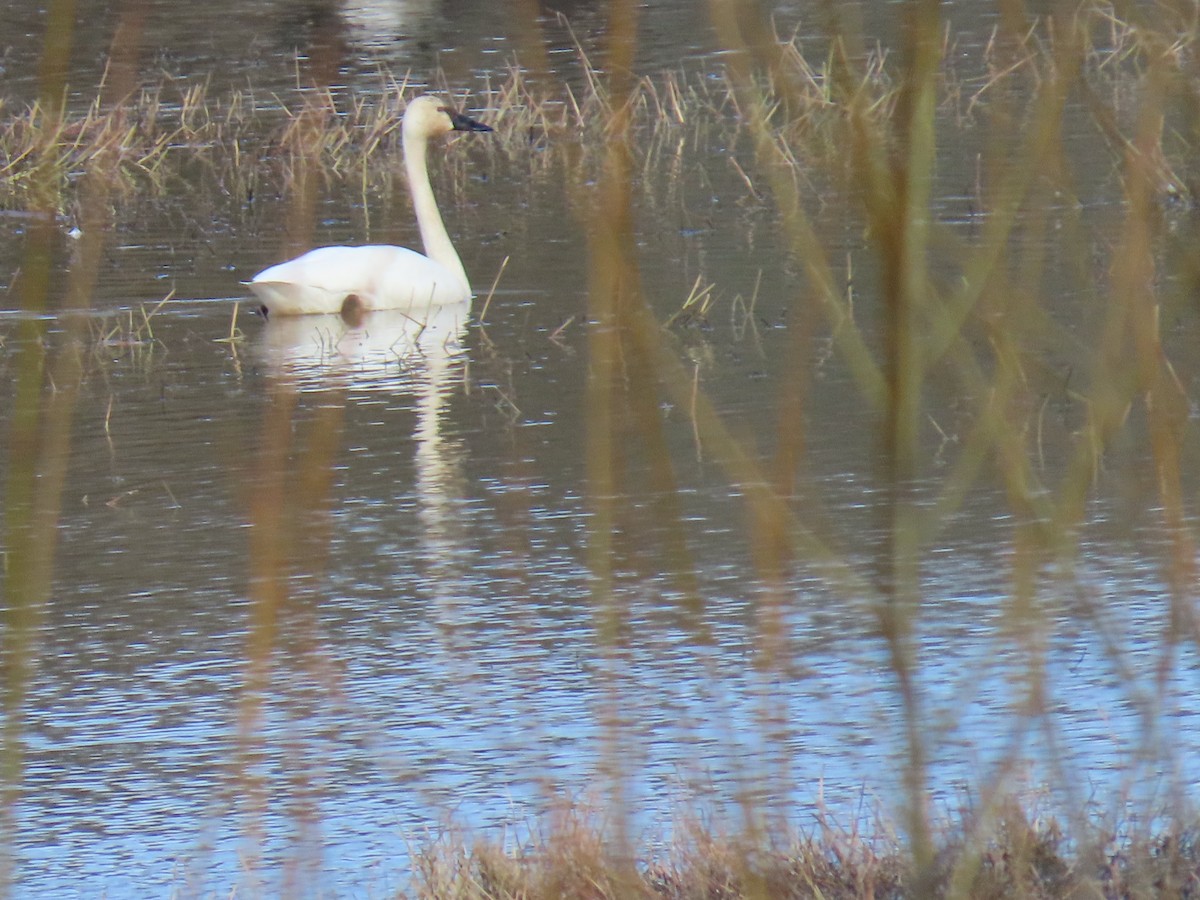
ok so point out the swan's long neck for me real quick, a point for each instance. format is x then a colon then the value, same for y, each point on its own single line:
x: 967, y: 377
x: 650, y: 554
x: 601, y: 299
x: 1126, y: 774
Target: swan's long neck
x: 433, y: 232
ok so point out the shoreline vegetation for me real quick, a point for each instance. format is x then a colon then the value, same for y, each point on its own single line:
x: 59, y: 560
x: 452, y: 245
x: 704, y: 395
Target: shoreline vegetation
x: 871, y: 126
x: 803, y: 108
x: 1017, y: 855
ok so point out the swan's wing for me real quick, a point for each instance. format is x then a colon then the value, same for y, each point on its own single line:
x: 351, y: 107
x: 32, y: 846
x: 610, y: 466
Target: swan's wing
x: 411, y: 279
x: 380, y: 276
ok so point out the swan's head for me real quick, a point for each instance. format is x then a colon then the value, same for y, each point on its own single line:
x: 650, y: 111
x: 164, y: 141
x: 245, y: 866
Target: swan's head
x: 428, y: 116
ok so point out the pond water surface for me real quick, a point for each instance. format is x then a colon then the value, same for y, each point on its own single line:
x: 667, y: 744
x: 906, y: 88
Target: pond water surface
x: 472, y: 626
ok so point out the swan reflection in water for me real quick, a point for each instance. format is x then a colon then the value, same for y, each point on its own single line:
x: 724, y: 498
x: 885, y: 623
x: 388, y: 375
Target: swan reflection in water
x: 415, y: 353
x: 380, y: 350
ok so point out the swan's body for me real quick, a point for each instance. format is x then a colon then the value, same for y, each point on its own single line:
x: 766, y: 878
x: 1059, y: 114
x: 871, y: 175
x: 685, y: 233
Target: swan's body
x: 340, y: 279
x: 329, y: 279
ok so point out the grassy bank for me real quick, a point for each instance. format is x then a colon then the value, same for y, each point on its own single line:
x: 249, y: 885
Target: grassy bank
x: 1005, y: 854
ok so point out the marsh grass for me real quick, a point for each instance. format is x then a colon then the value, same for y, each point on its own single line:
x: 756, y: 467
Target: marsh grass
x: 132, y: 330
x: 695, y: 308
x: 1020, y: 855
x: 250, y: 140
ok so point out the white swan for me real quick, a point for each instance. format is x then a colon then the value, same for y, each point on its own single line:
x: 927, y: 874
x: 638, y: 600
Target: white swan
x: 356, y: 279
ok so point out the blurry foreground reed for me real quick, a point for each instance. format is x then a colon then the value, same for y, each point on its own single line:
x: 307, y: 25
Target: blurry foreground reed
x: 47, y: 375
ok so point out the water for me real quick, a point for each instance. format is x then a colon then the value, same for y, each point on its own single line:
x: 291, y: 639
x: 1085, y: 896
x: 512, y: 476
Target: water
x: 450, y: 651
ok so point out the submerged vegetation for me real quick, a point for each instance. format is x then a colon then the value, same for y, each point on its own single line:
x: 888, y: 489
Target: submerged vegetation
x: 993, y: 333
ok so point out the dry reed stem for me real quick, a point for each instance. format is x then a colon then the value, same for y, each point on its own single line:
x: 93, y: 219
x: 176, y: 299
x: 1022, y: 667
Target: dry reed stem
x: 491, y: 291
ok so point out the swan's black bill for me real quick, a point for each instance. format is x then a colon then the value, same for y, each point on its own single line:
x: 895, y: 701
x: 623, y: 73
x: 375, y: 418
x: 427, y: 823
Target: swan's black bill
x: 465, y: 123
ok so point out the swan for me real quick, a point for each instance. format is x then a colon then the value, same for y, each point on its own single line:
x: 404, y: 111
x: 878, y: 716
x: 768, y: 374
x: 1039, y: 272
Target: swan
x: 353, y: 280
